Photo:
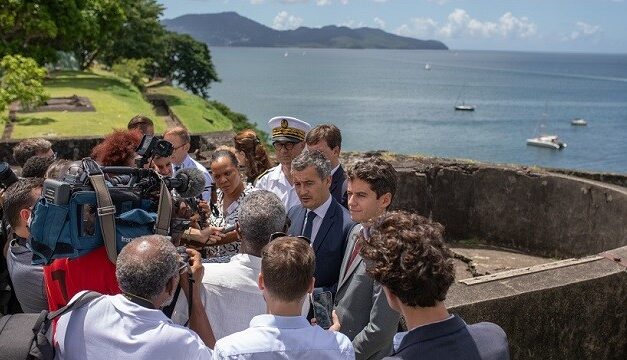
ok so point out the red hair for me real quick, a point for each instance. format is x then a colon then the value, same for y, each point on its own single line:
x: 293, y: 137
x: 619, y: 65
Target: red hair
x: 118, y: 148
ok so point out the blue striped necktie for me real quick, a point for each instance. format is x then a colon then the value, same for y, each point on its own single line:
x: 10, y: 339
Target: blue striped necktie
x: 309, y: 224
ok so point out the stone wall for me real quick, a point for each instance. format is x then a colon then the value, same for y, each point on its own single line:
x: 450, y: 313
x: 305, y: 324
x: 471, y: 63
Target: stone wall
x: 78, y: 148
x: 535, y: 211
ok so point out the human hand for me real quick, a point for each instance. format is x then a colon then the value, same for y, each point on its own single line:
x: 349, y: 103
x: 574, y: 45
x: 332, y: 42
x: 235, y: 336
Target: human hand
x: 207, y: 236
x: 195, y: 270
x: 336, y: 322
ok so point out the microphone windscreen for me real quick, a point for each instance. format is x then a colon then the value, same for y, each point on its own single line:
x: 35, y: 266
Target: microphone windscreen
x: 195, y: 181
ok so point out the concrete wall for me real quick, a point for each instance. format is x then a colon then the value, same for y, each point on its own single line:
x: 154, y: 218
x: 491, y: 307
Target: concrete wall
x: 575, y: 312
x: 535, y: 211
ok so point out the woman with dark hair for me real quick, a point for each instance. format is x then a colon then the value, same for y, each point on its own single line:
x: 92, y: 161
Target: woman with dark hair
x: 230, y: 194
x: 118, y: 148
x: 252, y: 154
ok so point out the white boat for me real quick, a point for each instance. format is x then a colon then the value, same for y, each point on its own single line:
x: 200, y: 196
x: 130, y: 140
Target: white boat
x: 464, y: 107
x: 547, y: 141
x: 427, y: 66
x: 578, y: 122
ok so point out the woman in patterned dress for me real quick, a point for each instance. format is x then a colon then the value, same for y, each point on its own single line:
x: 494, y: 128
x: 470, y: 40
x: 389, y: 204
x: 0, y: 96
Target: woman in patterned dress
x: 231, y: 191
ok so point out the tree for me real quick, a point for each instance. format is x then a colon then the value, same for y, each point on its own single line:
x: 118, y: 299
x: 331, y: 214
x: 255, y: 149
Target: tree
x: 141, y: 34
x: 186, y: 61
x: 22, y: 80
x: 132, y: 69
x: 100, y: 22
x: 37, y: 28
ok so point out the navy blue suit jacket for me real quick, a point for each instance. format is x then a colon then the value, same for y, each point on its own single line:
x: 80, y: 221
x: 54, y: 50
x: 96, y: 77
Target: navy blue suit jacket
x: 337, y: 187
x: 453, y: 339
x: 330, y: 242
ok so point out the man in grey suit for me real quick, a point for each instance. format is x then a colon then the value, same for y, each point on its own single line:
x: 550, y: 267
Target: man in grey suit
x: 407, y: 255
x: 360, y: 303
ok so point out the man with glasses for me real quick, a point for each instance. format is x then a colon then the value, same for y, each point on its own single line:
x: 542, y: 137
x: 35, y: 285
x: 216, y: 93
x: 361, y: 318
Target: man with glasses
x: 288, y: 135
x: 180, y: 140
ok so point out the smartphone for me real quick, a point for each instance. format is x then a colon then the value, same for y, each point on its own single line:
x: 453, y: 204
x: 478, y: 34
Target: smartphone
x: 322, y: 303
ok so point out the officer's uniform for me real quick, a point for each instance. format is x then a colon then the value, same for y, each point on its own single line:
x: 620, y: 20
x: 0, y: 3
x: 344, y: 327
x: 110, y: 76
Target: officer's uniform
x: 284, y: 129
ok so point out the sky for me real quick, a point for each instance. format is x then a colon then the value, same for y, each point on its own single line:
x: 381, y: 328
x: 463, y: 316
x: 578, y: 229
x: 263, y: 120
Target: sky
x: 594, y: 26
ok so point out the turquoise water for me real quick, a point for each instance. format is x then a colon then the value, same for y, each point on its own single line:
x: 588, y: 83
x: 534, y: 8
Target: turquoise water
x: 385, y: 99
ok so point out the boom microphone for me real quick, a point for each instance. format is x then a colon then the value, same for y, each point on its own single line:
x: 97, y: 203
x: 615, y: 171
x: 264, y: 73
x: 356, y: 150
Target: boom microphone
x: 188, y: 182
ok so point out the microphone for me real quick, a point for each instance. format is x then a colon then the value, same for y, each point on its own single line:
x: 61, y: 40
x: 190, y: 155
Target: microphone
x: 188, y: 182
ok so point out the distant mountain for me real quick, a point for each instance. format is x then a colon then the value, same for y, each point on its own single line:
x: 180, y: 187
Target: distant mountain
x: 232, y: 29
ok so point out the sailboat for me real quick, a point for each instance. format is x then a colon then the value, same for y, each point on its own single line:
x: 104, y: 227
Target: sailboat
x: 463, y: 106
x: 546, y: 141
x: 427, y: 66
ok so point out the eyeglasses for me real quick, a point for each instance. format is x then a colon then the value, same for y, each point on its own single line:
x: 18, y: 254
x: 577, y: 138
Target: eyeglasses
x: 285, y: 146
x: 282, y: 234
x: 180, y: 146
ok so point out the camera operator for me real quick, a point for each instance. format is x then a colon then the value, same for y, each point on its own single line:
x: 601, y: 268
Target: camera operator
x: 118, y: 148
x: 163, y: 165
x: 27, y: 279
x: 28, y: 148
x: 131, y: 325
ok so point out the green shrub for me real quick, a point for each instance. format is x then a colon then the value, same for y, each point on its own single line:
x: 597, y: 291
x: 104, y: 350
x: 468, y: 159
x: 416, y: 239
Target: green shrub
x: 132, y: 69
x: 21, y: 80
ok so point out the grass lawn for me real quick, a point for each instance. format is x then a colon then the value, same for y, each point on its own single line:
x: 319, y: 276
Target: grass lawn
x: 116, y: 101
x: 194, y: 112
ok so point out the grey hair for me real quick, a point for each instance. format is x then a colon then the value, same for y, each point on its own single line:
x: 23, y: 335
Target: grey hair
x: 312, y: 158
x: 260, y: 215
x: 145, y: 266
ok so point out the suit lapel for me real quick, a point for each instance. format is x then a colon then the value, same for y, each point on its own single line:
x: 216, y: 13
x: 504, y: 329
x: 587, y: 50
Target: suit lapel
x: 299, y: 219
x: 352, y: 237
x: 327, y: 222
x: 337, y: 179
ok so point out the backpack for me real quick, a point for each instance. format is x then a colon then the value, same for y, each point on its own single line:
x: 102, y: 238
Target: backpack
x: 23, y: 336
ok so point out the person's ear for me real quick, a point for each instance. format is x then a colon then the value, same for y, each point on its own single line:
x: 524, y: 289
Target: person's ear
x: 327, y: 181
x: 24, y: 214
x: 187, y: 147
x: 385, y: 200
x: 260, y: 282
x: 238, y: 230
x: 336, y: 151
x: 393, y: 300
x: 170, y: 286
x: 311, y: 285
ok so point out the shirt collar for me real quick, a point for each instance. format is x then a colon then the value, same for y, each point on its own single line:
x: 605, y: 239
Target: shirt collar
x: 247, y: 260
x: 432, y: 331
x: 187, y: 162
x: 321, y: 210
x: 129, y: 308
x: 279, y: 322
x: 335, y: 169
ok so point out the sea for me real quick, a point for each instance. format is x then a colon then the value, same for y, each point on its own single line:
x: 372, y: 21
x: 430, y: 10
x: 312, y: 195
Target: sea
x: 388, y: 100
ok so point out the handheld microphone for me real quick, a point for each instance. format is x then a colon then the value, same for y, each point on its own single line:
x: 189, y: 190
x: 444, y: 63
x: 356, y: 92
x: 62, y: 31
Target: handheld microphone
x: 188, y: 182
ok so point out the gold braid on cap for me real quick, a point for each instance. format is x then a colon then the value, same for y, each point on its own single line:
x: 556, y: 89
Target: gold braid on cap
x: 288, y: 131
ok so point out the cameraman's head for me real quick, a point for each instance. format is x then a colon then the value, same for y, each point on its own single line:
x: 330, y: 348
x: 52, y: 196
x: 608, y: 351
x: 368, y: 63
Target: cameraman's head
x: 118, y: 148
x: 163, y: 165
x: 261, y: 214
x: 19, y: 200
x: 148, y: 268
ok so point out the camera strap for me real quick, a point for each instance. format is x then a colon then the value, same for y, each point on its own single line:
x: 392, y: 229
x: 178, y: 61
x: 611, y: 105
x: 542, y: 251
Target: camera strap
x: 106, y: 210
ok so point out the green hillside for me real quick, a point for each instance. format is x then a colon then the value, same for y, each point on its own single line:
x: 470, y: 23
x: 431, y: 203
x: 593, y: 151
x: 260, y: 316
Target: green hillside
x: 116, y: 101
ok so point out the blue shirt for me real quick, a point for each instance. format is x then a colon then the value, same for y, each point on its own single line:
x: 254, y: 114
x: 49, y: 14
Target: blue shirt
x: 285, y: 337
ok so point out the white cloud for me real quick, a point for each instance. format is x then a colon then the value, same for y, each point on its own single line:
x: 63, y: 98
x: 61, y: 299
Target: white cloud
x: 343, y: 2
x: 583, y: 30
x: 323, y: 2
x: 460, y: 24
x: 379, y: 23
x: 285, y: 21
x: 352, y: 24
x: 380, y: 1
x: 256, y: 2
x: 439, y: 2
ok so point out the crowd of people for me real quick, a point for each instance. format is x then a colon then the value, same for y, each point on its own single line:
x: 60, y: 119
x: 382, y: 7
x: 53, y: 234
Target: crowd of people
x: 303, y: 260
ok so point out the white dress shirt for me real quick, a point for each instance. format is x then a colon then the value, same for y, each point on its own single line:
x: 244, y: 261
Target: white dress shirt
x: 113, y: 327
x: 275, y: 181
x: 188, y: 162
x: 320, y: 211
x: 232, y: 295
x: 284, y: 337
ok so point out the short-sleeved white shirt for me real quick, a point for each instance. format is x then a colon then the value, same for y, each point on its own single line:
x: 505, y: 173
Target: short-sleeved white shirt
x: 113, y: 327
x: 284, y: 337
x: 275, y: 181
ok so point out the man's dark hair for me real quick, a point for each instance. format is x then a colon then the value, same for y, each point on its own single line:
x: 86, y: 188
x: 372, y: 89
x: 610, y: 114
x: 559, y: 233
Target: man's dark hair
x: 287, y: 265
x: 140, y: 122
x: 19, y: 196
x: 28, y: 148
x: 327, y: 132
x: 377, y: 172
x: 36, y: 166
x: 406, y: 254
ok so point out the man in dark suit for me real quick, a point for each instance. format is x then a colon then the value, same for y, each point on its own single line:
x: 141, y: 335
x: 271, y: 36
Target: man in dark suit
x: 319, y: 217
x: 327, y: 139
x: 407, y: 255
x: 360, y: 303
